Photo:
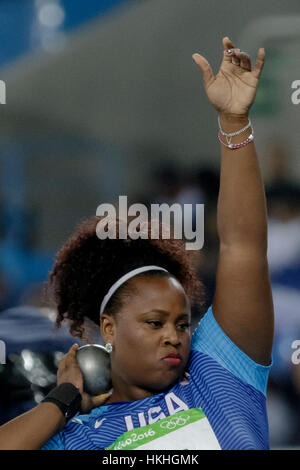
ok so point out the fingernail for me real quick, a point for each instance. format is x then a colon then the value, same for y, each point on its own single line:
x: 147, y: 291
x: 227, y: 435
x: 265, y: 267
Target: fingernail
x: 229, y: 51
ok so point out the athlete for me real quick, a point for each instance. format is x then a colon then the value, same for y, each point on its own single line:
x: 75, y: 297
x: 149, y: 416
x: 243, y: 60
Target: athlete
x: 171, y: 390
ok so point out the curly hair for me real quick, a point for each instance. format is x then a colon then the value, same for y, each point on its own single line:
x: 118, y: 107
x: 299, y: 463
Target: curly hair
x: 87, y: 266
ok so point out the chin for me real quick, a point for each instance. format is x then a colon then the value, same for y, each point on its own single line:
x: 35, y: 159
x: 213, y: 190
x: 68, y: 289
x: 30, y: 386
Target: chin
x: 164, y: 383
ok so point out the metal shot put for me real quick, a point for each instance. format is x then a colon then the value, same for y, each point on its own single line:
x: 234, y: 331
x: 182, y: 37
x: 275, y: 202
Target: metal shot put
x: 94, y: 363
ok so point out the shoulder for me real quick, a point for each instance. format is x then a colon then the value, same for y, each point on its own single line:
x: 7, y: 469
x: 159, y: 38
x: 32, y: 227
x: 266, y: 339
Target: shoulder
x: 210, y: 340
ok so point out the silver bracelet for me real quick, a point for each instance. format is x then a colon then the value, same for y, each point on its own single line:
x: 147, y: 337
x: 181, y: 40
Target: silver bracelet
x: 232, y: 134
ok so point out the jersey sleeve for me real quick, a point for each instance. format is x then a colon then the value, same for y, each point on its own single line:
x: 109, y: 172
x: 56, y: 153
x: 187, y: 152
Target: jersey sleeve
x: 55, y: 443
x: 210, y: 339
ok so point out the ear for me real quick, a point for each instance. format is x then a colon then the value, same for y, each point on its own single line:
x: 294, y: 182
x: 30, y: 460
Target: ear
x: 107, y: 327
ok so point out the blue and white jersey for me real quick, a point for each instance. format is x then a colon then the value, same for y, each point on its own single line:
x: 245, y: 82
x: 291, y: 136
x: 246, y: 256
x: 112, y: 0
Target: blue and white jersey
x: 221, y: 404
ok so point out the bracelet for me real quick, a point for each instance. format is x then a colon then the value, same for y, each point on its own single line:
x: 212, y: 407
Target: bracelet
x: 237, y: 146
x: 232, y: 134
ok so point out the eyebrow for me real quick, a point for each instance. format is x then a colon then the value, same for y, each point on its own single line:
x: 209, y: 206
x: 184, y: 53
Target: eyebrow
x: 165, y: 313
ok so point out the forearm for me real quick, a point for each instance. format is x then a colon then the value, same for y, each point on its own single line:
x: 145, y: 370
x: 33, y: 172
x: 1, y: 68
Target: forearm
x: 33, y: 429
x: 241, y: 215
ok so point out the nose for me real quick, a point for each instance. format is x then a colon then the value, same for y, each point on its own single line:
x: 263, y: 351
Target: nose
x: 171, y: 336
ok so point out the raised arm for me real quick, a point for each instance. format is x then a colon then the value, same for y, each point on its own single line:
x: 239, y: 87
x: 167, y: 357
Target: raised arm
x: 242, y: 303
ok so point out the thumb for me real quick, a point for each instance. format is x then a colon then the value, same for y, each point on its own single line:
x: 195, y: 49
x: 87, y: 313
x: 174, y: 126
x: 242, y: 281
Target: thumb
x: 100, y: 399
x: 207, y: 73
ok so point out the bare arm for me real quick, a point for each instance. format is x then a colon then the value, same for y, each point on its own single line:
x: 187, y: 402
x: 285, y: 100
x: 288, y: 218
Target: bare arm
x: 33, y: 429
x: 242, y: 303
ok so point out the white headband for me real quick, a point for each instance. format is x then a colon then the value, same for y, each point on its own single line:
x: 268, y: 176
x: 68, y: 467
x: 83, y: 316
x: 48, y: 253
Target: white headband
x: 125, y: 278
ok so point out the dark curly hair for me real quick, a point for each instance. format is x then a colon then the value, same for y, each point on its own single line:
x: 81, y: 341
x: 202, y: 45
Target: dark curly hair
x: 87, y: 266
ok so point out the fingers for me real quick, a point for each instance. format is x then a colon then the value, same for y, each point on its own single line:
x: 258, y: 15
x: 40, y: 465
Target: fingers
x: 70, y: 356
x: 260, y: 61
x: 73, y: 349
x: 242, y: 59
x: 69, y: 370
x: 88, y: 402
x: 228, y: 45
x: 100, y: 399
x: 231, y: 55
x: 207, y: 73
x: 238, y: 57
x: 234, y: 55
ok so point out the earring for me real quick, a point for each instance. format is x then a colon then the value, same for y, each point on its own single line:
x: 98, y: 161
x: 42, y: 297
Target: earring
x: 108, y: 347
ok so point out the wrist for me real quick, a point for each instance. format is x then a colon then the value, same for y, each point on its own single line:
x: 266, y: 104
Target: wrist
x: 238, y: 126
x: 233, y: 122
x: 67, y: 398
x: 235, y: 131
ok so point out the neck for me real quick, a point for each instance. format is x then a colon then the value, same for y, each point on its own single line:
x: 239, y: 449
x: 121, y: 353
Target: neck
x: 132, y: 393
x: 124, y: 391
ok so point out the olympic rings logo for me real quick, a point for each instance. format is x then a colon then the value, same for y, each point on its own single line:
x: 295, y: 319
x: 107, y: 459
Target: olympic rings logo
x: 174, y: 422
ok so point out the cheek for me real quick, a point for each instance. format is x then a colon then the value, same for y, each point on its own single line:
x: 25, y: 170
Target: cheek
x: 186, y: 341
x: 132, y: 340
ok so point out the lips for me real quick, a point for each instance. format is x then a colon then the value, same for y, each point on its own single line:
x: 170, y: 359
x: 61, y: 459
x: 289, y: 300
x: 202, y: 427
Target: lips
x: 176, y: 356
x: 173, y: 359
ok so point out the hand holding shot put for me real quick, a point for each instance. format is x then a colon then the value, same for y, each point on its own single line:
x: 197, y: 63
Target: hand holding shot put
x: 69, y: 372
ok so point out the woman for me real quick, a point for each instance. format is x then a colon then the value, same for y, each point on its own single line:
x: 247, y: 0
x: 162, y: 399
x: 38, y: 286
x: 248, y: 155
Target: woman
x: 171, y: 391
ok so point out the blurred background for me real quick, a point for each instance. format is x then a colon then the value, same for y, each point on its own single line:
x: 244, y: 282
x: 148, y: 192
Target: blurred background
x: 103, y: 99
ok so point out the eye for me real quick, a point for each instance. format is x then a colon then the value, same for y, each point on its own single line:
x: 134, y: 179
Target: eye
x: 154, y: 323
x: 184, y: 326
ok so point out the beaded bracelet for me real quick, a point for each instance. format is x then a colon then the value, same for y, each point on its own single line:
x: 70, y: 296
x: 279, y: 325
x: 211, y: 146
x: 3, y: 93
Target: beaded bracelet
x: 237, y: 146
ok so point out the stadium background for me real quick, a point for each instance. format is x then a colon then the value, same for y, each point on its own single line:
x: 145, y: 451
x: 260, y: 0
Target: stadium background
x: 103, y: 99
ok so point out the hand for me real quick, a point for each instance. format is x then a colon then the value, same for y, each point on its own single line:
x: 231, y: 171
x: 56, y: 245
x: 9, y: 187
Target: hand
x: 233, y: 89
x: 69, y: 371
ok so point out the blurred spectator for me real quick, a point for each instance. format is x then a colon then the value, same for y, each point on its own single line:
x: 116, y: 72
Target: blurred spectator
x: 283, y: 200
x: 282, y: 392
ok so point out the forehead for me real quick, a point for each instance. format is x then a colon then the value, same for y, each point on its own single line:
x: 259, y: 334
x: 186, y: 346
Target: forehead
x: 164, y: 293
